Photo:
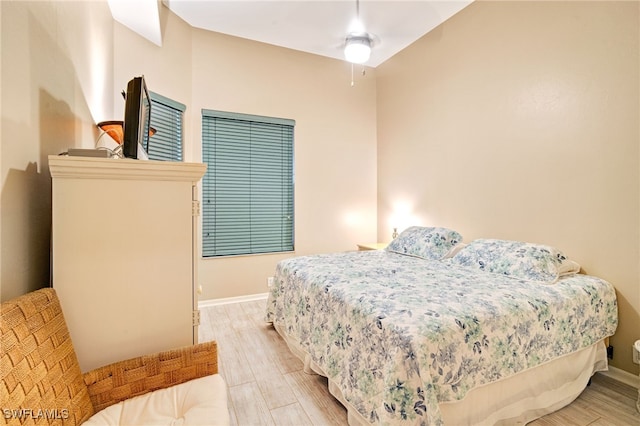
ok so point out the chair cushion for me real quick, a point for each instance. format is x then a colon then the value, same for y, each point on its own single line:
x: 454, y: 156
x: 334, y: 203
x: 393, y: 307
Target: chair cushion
x: 200, y: 401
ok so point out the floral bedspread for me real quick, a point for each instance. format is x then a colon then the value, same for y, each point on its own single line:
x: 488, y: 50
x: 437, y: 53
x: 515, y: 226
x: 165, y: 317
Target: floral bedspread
x: 400, y: 334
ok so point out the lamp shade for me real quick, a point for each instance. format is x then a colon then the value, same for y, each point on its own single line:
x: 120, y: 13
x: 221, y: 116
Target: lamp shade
x: 115, y: 129
x: 357, y: 48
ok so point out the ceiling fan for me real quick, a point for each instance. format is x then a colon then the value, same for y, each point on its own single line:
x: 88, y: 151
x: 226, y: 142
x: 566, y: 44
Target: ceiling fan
x: 358, y: 42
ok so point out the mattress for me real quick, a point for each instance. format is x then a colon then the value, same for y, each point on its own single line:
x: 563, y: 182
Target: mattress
x: 401, y: 337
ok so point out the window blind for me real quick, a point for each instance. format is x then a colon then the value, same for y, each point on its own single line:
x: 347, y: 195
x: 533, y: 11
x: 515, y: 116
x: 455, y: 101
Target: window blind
x: 166, y: 118
x: 248, y: 188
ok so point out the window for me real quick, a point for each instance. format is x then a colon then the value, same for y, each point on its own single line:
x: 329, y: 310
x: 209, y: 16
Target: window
x: 247, y: 194
x: 166, y: 118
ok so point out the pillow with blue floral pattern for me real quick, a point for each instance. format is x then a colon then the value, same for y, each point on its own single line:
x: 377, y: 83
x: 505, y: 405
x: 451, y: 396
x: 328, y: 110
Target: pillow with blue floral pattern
x: 431, y: 243
x: 517, y: 259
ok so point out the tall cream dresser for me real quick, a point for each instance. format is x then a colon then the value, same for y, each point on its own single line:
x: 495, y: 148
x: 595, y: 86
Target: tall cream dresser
x: 124, y: 252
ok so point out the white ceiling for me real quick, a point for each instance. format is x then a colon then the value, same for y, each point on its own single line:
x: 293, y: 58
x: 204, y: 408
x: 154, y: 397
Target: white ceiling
x: 319, y: 26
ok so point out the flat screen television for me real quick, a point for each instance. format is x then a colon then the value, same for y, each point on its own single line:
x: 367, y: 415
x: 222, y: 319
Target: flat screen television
x: 137, y: 118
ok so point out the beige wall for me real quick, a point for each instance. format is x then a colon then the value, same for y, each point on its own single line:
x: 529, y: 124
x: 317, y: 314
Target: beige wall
x: 520, y: 120
x: 335, y: 133
x: 56, y: 85
x: 511, y: 120
x: 166, y: 68
x: 335, y: 145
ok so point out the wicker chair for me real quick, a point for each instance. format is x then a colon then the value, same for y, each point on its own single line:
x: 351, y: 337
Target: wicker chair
x: 41, y: 378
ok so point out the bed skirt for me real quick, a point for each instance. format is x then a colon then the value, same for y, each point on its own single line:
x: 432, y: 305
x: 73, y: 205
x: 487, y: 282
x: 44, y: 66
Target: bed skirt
x: 515, y: 400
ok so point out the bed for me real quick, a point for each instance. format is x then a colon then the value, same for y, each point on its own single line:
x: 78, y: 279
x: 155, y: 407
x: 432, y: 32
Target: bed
x: 428, y: 333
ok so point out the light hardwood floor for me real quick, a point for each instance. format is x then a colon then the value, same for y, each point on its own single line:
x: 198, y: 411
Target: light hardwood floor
x: 268, y: 387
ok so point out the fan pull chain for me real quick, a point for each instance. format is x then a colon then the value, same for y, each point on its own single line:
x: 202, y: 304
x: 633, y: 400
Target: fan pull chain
x: 352, y: 83
x: 364, y: 74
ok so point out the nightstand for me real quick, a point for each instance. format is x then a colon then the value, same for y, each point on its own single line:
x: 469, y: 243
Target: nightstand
x: 371, y: 246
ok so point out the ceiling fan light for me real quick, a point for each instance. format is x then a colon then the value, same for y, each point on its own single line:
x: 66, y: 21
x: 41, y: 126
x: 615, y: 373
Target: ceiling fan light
x: 357, y: 49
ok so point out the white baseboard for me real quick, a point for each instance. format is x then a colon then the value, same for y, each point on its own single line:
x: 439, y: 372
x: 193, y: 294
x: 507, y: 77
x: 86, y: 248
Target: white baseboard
x: 622, y: 376
x: 227, y: 300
